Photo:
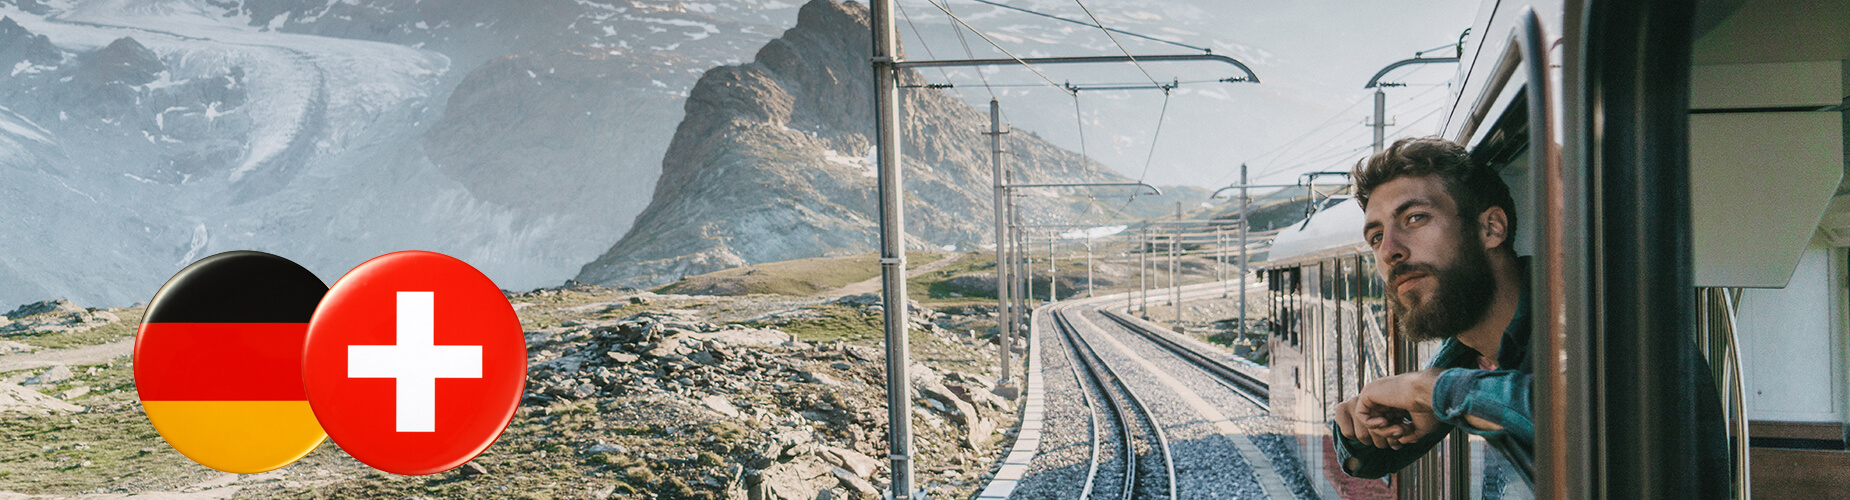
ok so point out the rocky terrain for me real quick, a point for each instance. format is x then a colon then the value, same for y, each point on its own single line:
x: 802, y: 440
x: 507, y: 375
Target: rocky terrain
x: 629, y: 395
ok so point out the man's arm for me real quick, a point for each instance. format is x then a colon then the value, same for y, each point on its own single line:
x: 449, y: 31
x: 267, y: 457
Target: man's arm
x: 1368, y: 462
x: 1486, y: 402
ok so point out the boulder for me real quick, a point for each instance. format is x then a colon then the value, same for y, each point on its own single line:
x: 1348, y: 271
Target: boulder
x: 862, y: 466
x: 857, y: 487
x: 42, y: 307
x: 21, y: 399
x: 719, y: 404
x: 799, y: 479
x: 978, y: 396
x: 55, y: 375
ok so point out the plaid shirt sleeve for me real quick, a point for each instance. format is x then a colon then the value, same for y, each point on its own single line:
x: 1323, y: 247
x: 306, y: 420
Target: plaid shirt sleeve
x: 1500, y: 397
x: 1361, y: 460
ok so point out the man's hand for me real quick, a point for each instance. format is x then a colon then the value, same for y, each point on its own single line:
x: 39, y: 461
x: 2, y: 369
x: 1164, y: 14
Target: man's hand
x: 1390, y: 412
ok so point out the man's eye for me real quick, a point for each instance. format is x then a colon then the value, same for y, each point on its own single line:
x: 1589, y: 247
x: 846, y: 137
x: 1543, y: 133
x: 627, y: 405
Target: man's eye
x: 1374, y: 239
x: 1415, y: 218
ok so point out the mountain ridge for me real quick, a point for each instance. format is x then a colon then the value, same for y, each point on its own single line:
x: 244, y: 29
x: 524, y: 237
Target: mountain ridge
x: 772, y: 163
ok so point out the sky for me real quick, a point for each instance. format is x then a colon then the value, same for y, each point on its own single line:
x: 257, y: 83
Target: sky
x: 1308, y: 113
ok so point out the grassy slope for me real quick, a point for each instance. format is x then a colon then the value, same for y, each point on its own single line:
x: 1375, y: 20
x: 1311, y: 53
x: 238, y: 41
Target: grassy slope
x: 801, y: 277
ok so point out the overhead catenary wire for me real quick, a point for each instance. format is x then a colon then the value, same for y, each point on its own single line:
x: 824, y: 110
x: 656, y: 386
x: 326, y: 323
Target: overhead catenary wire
x: 1286, y: 158
x: 1423, y: 52
x: 1298, y: 156
x: 1114, y: 41
x: 928, y: 52
x: 1342, y: 158
x: 1083, y: 23
x: 1321, y: 127
x: 998, y: 46
x: 1160, y: 118
x: 967, y: 53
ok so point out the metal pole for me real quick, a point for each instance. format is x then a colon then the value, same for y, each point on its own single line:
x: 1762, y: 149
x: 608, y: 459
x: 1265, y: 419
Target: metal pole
x: 1128, y: 306
x: 1089, y: 264
x: 892, y: 249
x: 1002, y: 277
x: 1014, y: 268
x: 1220, y: 259
x: 1380, y: 123
x: 1243, y: 207
x: 1174, y: 290
x: 1053, y: 272
x: 1175, y: 286
x: 1020, y: 269
x: 1143, y: 283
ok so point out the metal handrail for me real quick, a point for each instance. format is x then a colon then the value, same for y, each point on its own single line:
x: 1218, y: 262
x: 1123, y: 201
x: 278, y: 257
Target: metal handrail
x: 1721, y: 347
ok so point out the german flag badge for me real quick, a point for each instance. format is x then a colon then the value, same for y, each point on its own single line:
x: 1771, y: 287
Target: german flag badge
x: 218, y: 361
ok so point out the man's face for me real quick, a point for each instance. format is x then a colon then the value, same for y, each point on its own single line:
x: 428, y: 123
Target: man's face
x: 1438, y: 275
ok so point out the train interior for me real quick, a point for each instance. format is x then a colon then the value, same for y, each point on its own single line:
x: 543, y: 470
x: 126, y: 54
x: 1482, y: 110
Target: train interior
x: 1771, y: 220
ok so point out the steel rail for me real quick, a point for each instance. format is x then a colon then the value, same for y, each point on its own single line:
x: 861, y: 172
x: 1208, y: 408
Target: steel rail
x: 1085, y: 396
x: 1098, y: 377
x: 1254, y: 390
x: 1098, y: 366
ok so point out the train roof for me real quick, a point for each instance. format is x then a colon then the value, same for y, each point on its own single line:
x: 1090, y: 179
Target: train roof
x: 1331, y: 230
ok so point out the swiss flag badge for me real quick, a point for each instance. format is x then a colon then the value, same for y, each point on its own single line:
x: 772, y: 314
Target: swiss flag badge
x: 414, y: 363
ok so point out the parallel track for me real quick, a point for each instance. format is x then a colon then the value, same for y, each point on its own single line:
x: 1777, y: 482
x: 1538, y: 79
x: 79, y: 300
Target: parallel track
x: 1124, y: 411
x: 1248, y: 386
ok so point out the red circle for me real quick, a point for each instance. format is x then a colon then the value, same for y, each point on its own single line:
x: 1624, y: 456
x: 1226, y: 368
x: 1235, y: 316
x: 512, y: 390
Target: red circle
x: 361, y: 413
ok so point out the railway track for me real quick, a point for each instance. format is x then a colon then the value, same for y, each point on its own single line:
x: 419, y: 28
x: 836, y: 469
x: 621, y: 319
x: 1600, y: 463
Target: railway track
x: 1132, y: 411
x: 1122, y: 403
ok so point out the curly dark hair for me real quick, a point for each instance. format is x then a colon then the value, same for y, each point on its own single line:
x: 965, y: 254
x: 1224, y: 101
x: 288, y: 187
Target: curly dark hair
x: 1474, y: 188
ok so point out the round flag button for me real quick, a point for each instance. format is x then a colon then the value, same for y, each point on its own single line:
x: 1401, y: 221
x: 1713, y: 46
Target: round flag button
x: 414, y: 362
x: 218, y: 357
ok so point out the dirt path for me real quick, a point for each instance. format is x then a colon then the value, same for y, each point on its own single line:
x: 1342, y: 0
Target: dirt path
x: 77, y: 356
x: 224, y: 485
x: 872, y: 285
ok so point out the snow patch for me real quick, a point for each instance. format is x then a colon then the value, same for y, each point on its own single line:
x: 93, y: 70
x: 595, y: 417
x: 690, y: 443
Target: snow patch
x: 1093, y: 232
x: 198, y: 243
x: 20, y: 126
x: 863, y: 164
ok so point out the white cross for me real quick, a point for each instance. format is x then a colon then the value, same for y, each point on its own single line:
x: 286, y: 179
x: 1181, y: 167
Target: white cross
x: 415, y: 362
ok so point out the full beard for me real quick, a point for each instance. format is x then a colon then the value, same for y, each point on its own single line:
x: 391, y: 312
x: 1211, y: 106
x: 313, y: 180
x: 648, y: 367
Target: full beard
x: 1460, y: 299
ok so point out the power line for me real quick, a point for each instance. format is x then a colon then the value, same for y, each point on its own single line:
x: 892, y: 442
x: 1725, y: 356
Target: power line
x: 928, y: 52
x: 1114, y: 41
x: 967, y: 53
x: 1083, y: 23
x: 1282, y: 161
x: 992, y: 42
x: 1282, y: 149
x: 1313, y: 131
x: 1423, y: 52
x: 1342, y: 157
x: 1160, y: 118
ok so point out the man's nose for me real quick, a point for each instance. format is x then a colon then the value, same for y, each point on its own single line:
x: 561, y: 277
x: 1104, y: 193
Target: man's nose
x: 1391, y: 251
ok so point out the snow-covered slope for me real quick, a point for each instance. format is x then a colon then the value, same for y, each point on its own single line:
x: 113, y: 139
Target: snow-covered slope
x: 154, y: 133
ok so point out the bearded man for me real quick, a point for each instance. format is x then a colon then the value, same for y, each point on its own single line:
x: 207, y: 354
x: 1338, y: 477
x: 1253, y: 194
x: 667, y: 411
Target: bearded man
x: 1442, y: 231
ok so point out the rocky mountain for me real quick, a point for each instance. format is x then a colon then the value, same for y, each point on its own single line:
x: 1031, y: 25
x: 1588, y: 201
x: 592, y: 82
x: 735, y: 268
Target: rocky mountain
x: 774, y: 162
x: 523, y: 137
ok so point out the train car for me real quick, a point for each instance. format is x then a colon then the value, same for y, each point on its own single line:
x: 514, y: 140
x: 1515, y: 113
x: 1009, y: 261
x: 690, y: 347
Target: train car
x: 1679, y: 173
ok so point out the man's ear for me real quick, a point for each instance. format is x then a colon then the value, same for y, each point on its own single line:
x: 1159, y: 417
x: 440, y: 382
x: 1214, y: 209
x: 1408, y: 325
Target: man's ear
x: 1494, y: 227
